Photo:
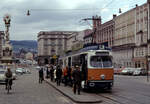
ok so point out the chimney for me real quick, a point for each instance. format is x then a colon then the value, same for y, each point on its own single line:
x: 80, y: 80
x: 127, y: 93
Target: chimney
x: 114, y: 16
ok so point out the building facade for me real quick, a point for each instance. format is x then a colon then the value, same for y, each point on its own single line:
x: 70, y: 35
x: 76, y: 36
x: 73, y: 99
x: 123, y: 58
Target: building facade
x: 141, y: 36
x: 51, y: 44
x: 124, y: 39
x: 29, y: 56
x: 130, y: 47
x: 87, y: 36
x: 105, y: 33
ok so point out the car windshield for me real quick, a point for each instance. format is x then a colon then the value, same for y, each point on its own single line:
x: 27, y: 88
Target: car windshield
x: 19, y: 69
x: 138, y: 69
x: 101, y: 61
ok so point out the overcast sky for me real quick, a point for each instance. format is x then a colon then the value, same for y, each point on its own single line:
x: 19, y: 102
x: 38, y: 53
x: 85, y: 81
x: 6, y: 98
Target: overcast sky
x: 57, y: 15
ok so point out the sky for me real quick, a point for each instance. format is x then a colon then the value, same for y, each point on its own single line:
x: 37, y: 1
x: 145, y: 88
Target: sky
x: 57, y: 15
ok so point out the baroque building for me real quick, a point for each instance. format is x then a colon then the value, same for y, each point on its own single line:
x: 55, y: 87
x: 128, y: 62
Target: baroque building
x: 105, y: 32
x: 51, y: 44
x: 130, y: 47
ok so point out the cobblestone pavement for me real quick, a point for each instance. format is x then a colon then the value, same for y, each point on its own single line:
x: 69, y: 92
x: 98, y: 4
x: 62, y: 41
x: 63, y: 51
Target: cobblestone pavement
x: 27, y: 90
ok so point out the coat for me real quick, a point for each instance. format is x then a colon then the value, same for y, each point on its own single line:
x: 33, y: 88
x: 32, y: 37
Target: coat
x: 65, y: 72
x: 76, y: 74
x: 58, y: 73
x: 41, y: 74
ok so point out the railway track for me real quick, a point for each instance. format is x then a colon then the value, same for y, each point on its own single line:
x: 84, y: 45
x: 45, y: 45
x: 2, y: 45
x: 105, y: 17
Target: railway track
x: 109, y: 100
x: 114, y: 98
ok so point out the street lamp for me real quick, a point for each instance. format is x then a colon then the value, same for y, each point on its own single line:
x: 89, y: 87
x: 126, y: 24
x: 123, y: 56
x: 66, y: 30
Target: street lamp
x: 28, y: 13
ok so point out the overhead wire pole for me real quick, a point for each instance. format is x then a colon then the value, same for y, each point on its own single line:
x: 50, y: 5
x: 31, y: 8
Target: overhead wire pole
x: 97, y: 19
x: 94, y: 26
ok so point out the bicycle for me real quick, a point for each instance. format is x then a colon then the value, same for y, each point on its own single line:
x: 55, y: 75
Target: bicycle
x: 8, y: 85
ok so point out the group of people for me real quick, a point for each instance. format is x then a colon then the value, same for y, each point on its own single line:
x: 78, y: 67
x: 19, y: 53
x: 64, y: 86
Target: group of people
x: 70, y: 75
x: 53, y: 72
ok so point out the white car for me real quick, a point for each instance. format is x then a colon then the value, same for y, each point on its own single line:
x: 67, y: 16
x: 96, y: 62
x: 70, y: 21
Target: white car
x: 38, y: 68
x: 19, y: 71
x: 28, y: 71
x: 140, y: 71
x: 127, y: 71
x: 2, y: 76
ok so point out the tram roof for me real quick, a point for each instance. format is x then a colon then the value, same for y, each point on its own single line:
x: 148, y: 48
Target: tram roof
x: 84, y: 52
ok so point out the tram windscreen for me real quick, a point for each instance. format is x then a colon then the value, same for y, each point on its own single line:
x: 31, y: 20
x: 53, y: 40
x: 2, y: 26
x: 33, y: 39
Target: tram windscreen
x: 101, y: 61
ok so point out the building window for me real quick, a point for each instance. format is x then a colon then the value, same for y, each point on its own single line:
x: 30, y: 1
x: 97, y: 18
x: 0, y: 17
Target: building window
x: 142, y: 65
x: 136, y: 65
x: 45, y: 41
x: 52, y: 51
x: 139, y: 65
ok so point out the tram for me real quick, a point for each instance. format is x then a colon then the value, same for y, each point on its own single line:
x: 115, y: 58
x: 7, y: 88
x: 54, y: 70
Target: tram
x: 95, y: 66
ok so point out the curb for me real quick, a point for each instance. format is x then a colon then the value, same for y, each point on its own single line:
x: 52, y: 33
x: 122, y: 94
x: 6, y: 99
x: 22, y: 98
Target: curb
x: 76, y: 101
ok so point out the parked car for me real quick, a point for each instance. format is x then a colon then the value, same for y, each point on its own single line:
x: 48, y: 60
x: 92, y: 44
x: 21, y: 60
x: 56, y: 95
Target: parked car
x: 38, y: 67
x: 124, y: 72
x: 27, y: 71
x: 19, y: 71
x: 140, y: 71
x: 127, y: 71
x: 24, y: 70
x: 131, y: 70
x: 2, y: 76
x: 118, y: 70
x: 148, y: 72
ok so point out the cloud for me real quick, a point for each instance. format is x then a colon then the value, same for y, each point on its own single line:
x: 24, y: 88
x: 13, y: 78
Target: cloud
x: 104, y: 10
x: 52, y: 15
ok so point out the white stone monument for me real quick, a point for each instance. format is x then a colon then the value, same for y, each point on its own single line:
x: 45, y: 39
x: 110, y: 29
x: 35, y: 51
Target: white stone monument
x: 7, y: 48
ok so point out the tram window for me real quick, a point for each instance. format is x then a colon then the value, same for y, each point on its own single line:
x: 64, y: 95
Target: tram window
x: 60, y: 62
x: 101, y: 61
x: 96, y: 61
x: 76, y: 60
x: 107, y: 62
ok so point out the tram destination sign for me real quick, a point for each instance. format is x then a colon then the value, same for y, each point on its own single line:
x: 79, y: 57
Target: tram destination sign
x: 102, y: 53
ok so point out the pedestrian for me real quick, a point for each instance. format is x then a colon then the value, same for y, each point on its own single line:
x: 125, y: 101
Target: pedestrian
x: 47, y: 72
x: 55, y: 78
x: 65, y: 73
x: 76, y: 74
x: 41, y: 75
x: 52, y: 73
x: 58, y: 75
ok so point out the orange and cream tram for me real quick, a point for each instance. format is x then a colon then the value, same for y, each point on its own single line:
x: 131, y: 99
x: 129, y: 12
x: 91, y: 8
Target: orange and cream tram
x: 95, y: 65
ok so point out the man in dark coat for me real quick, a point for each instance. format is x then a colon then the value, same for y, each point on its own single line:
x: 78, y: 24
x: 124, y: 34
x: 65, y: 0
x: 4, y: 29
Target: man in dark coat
x: 58, y: 75
x: 76, y: 74
x: 52, y: 73
x: 41, y: 75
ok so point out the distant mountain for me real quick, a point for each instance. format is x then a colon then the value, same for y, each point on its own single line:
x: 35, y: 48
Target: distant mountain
x: 27, y: 45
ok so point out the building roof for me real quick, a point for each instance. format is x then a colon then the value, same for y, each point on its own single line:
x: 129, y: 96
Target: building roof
x: 56, y: 33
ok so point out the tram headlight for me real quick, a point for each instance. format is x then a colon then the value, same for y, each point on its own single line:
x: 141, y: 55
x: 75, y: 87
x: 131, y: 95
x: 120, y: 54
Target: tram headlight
x: 102, y: 76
